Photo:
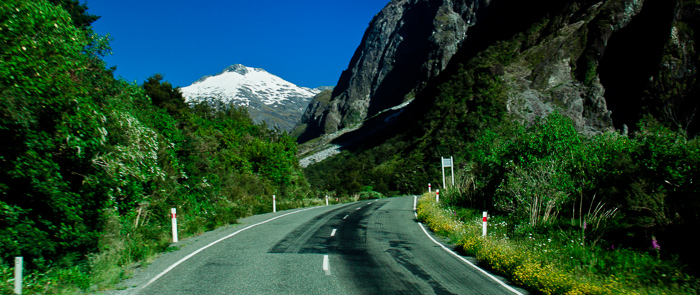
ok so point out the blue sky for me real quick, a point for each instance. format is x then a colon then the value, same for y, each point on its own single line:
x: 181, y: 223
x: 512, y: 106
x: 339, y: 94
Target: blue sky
x: 306, y: 42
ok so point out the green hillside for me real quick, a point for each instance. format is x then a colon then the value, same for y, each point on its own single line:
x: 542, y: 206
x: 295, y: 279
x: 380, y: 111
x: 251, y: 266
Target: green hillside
x: 91, y: 165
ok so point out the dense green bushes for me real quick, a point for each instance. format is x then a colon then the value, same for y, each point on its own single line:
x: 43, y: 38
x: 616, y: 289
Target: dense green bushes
x: 54, y: 124
x: 622, y: 192
x: 91, y: 166
x: 557, y: 261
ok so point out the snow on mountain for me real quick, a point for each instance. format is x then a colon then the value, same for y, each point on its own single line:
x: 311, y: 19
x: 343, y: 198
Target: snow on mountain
x: 267, y: 97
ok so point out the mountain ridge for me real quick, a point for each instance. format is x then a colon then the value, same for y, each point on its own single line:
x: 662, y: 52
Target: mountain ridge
x: 267, y: 97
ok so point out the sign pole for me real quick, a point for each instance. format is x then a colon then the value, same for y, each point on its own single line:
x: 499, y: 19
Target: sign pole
x: 442, y: 160
x: 452, y: 166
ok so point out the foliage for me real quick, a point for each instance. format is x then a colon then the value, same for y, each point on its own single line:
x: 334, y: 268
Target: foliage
x: 556, y: 262
x: 55, y: 126
x: 79, y: 15
x: 92, y: 165
x: 539, y: 172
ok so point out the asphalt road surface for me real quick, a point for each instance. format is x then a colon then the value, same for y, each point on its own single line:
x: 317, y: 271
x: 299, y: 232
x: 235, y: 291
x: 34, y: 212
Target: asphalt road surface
x: 367, y: 247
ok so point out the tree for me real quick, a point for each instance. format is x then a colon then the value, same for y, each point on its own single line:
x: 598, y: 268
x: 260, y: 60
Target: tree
x: 163, y: 94
x: 81, y: 18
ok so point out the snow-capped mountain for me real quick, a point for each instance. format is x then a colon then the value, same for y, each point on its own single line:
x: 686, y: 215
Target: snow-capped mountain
x: 267, y: 97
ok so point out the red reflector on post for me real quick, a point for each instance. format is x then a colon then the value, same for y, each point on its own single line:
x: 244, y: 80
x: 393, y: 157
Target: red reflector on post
x: 484, y: 219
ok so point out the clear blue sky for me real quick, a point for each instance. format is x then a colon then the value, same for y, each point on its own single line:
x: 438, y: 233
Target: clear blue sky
x: 306, y: 42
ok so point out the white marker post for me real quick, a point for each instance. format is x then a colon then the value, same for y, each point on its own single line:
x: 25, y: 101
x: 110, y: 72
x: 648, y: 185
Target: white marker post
x: 429, y: 189
x: 485, y: 221
x: 173, y: 215
x: 274, y: 204
x: 437, y: 196
x: 326, y: 200
x: 18, y: 275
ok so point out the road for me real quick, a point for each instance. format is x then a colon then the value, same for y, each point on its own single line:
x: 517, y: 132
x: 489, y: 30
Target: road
x: 367, y: 247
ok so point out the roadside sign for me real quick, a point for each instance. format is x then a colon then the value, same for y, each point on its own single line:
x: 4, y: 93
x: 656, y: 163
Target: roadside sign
x: 447, y: 162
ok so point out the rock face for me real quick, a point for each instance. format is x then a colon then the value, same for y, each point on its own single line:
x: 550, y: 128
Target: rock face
x: 542, y: 79
x: 607, y: 64
x: 267, y: 97
x: 408, y: 43
x: 604, y: 63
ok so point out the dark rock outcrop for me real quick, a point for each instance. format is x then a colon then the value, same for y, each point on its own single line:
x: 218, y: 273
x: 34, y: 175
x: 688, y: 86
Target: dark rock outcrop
x: 603, y: 63
x: 408, y: 43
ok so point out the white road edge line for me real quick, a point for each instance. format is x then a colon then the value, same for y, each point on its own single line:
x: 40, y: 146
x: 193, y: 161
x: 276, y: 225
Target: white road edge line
x: 333, y: 232
x: 467, y: 262
x: 326, y: 265
x: 214, y: 243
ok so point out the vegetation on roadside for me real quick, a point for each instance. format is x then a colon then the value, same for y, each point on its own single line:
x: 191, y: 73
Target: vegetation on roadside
x: 556, y: 262
x: 573, y: 214
x: 91, y: 165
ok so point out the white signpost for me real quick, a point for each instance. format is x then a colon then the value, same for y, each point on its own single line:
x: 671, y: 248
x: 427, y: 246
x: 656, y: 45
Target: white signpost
x: 447, y: 162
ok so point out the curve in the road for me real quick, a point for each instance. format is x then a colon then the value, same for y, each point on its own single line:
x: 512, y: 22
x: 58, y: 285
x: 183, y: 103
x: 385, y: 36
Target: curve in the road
x: 167, y: 270
x: 368, y: 247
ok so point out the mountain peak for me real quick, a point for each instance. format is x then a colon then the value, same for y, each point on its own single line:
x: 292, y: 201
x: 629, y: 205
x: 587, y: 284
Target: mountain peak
x: 267, y: 97
x: 240, y: 69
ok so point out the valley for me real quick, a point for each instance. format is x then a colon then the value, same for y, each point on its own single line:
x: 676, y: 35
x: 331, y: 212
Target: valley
x: 572, y: 125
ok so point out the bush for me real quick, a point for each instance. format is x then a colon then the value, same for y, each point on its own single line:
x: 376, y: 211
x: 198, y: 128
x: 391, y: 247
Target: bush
x: 558, y: 262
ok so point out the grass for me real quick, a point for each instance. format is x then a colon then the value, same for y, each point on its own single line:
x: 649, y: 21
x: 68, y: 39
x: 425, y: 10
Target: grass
x: 557, y: 262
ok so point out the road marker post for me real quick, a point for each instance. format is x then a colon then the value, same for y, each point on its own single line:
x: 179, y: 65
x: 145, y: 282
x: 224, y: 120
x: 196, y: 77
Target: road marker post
x: 429, y: 189
x: 437, y: 196
x: 18, y: 274
x: 274, y: 204
x: 485, y: 218
x: 326, y: 200
x: 173, y: 215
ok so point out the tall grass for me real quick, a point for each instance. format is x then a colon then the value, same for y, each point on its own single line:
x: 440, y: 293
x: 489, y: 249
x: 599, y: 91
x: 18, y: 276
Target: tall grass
x: 558, y: 262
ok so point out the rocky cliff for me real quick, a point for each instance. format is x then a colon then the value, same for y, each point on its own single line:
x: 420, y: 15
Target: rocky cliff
x: 407, y: 44
x: 603, y: 63
x: 607, y: 64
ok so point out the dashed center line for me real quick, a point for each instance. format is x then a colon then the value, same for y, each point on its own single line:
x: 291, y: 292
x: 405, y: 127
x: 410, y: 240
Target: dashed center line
x: 326, y: 265
x: 358, y: 208
x: 346, y: 216
x: 333, y: 232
